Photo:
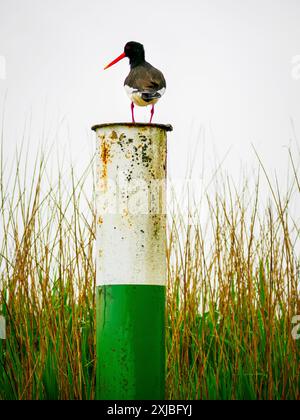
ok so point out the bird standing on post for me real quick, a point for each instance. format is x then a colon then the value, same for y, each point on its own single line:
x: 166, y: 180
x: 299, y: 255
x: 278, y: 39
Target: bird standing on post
x: 144, y: 84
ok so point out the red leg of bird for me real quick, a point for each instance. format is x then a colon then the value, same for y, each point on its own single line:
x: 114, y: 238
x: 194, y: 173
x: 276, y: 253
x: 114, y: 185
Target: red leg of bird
x: 151, y: 113
x: 132, y: 113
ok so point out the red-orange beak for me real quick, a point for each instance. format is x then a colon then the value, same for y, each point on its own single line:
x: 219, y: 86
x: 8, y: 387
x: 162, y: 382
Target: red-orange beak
x: 115, y: 60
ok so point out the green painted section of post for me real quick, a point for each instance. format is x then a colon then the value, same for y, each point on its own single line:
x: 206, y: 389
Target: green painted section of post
x: 130, y: 342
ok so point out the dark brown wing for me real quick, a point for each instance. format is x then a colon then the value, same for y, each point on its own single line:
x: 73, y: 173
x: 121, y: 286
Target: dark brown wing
x: 145, y: 78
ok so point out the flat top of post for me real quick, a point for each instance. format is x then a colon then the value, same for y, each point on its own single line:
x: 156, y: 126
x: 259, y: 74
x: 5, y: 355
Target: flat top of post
x: 166, y: 127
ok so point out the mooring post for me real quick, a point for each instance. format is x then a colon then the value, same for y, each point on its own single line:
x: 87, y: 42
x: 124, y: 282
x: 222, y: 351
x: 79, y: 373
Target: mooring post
x: 131, y: 260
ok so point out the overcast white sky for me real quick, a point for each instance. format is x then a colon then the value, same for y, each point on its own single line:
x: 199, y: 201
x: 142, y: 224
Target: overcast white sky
x: 228, y: 66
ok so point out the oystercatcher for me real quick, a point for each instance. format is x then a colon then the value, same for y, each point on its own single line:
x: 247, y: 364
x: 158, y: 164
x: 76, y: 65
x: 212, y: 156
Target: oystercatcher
x: 144, y: 84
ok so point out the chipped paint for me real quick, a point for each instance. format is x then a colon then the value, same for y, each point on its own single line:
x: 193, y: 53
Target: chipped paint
x: 133, y: 238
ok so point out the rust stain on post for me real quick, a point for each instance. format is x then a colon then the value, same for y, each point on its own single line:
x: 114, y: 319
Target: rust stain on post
x: 105, y: 155
x: 114, y: 135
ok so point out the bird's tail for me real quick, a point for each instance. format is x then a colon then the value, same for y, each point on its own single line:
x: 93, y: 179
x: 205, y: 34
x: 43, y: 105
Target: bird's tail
x: 149, y: 96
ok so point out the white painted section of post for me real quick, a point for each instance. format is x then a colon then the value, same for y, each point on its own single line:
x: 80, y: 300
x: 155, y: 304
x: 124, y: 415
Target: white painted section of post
x: 131, y: 204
